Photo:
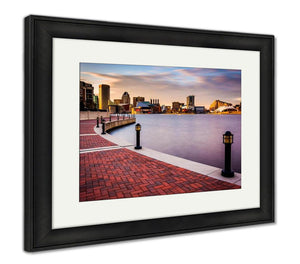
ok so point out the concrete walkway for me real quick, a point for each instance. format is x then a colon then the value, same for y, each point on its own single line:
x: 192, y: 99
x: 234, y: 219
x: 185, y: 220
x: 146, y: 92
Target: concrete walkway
x: 111, y: 168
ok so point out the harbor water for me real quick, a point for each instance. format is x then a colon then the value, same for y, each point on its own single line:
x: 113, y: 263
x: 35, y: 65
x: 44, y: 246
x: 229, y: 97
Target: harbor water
x: 194, y: 137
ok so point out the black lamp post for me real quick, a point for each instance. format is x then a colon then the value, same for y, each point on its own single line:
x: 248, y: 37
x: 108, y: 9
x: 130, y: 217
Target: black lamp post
x: 110, y: 118
x: 103, y: 127
x: 138, y: 130
x: 97, y: 121
x: 227, y: 140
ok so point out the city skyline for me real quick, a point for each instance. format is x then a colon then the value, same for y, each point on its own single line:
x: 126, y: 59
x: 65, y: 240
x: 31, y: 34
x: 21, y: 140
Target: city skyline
x: 169, y: 84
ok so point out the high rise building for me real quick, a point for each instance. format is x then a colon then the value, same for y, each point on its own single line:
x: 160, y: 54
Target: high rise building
x: 104, y: 96
x: 125, y: 98
x: 190, y: 101
x: 86, y: 96
x: 137, y: 99
x: 96, y: 101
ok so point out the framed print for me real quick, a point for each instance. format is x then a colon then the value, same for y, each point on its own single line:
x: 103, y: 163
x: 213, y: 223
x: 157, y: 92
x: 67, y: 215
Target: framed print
x: 135, y: 131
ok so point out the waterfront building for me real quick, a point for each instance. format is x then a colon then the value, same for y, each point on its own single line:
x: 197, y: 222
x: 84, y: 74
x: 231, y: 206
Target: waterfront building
x: 238, y: 107
x: 190, y: 102
x: 168, y: 109
x: 154, y: 101
x: 104, y: 96
x: 155, y: 106
x: 176, y: 106
x: 218, y: 103
x: 126, y: 98
x: 142, y: 108
x: 117, y: 101
x: 114, y: 109
x: 124, y: 108
x: 156, y: 109
x: 86, y: 96
x: 138, y: 99
x: 226, y: 109
x: 199, y: 109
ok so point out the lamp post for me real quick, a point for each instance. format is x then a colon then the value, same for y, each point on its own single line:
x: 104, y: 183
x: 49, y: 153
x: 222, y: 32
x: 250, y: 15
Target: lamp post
x: 227, y: 140
x: 103, y: 127
x: 138, y: 130
x: 110, y: 118
x: 97, y: 121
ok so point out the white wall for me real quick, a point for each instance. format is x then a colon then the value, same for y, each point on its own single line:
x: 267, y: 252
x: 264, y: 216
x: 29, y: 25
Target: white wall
x: 255, y: 244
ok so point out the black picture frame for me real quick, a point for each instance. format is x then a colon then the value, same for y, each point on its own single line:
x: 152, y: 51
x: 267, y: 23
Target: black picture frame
x: 39, y: 32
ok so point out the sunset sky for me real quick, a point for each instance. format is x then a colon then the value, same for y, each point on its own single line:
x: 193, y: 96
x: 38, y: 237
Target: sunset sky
x: 168, y: 84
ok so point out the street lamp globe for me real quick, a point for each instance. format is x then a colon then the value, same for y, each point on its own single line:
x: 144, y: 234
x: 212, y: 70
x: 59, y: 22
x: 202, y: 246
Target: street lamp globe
x: 137, y: 127
x: 227, y: 138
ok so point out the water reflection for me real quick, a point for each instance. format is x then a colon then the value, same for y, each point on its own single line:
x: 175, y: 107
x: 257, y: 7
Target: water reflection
x: 193, y: 137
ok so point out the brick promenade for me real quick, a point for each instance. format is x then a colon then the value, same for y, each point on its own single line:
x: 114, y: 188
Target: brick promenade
x: 94, y: 141
x: 122, y: 173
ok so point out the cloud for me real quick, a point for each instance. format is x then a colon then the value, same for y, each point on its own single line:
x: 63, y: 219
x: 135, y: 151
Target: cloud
x: 174, y: 84
x: 102, y: 78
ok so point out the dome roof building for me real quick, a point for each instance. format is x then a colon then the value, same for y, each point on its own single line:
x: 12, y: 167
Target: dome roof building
x: 125, y: 98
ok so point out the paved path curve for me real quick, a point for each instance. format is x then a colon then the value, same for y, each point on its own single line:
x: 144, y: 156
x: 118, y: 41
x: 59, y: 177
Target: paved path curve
x: 109, y: 171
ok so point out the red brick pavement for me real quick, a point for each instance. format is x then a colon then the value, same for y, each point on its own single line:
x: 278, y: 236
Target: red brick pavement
x: 94, y: 141
x: 87, y: 126
x: 122, y: 173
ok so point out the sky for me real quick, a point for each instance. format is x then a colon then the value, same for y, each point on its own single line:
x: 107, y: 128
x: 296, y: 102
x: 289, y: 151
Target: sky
x: 168, y: 84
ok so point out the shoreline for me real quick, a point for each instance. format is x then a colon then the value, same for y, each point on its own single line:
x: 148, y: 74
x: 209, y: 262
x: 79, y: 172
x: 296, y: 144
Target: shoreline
x: 91, y: 115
